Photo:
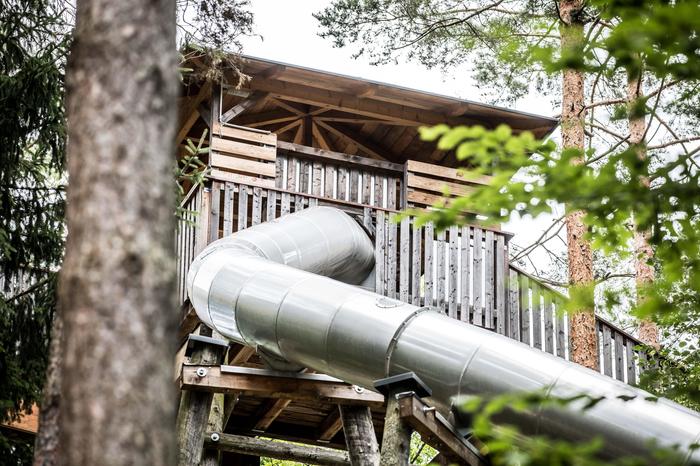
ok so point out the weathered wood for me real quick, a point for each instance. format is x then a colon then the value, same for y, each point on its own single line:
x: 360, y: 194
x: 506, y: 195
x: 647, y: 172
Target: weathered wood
x: 489, y: 275
x: 548, y: 323
x: 277, y: 449
x: 340, y: 158
x: 439, y: 187
x: 405, y: 259
x: 271, y: 209
x: 268, y: 412
x: 267, y: 384
x: 257, y: 136
x: 212, y: 457
x: 246, y: 166
x: 428, y: 272
x: 396, y: 439
x: 524, y: 309
x: 257, y: 206
x: 619, y: 362
x: 501, y: 280
x: 607, y: 350
x: 292, y: 174
x: 561, y: 327
x: 378, y: 190
x: 360, y: 438
x: 465, y: 273
x: 366, y: 188
x: 242, y: 207
x: 354, y: 184
x: 460, y: 175
x: 226, y: 146
x: 193, y: 413
x: 380, y: 253
x: 228, y: 209
x: 316, y: 187
x: 285, y: 204
x: 189, y: 114
x: 391, y: 257
x: 631, y: 363
x: 330, y: 426
x: 441, y: 274
x: 536, y: 315
x: 513, y: 306
x: 342, y: 183
x: 416, y: 263
x: 453, y: 272
x: 437, y: 433
x: 250, y: 102
x: 226, y: 176
x: 477, y: 278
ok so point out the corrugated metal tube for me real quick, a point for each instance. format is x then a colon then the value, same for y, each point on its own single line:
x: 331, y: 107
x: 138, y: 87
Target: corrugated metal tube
x: 287, y: 287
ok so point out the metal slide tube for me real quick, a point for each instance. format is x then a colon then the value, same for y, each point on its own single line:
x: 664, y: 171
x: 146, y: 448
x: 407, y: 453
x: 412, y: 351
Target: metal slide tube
x: 286, y: 288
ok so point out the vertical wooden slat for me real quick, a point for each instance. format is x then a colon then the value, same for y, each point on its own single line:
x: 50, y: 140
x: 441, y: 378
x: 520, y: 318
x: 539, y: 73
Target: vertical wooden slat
x: 465, y: 273
x: 561, y: 327
x: 280, y: 175
x: 524, y: 309
x: 489, y: 275
x: 354, y: 184
x: 631, y: 369
x: 416, y: 263
x: 548, y: 323
x: 257, y: 205
x: 242, y: 207
x: 391, y: 257
x: 328, y: 181
x: 607, y: 350
x: 477, y: 278
x: 619, y: 361
x: 298, y: 203
x: 342, y: 183
x: 215, y: 211
x: 271, y: 210
x: 390, y: 193
x: 304, y: 169
x: 453, y: 271
x: 428, y: 274
x: 378, y: 191
x: 316, y: 187
x: 405, y: 259
x: 292, y: 174
x: 500, y: 307
x: 536, y: 315
x: 285, y: 207
x: 513, y: 306
x: 366, y: 188
x: 379, y: 253
x: 228, y: 209
x: 440, y: 273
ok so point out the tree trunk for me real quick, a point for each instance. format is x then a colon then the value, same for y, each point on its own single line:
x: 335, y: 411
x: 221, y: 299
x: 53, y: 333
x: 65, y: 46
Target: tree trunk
x: 117, y: 282
x: 46, y: 444
x: 360, y: 438
x: 584, y: 341
x: 644, y: 270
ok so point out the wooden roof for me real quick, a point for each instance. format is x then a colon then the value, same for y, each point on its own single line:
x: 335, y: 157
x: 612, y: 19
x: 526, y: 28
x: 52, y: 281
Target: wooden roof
x: 358, y: 116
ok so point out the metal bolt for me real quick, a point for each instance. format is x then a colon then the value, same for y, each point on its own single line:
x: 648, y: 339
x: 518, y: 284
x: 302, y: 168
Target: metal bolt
x: 358, y: 389
x: 215, y: 437
x: 427, y: 409
x: 201, y: 372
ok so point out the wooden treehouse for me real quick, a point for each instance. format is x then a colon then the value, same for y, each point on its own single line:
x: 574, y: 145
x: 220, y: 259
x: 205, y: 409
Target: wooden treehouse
x: 291, y: 138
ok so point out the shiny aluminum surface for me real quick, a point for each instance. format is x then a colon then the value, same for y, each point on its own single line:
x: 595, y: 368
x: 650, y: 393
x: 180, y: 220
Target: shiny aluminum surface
x: 286, y: 288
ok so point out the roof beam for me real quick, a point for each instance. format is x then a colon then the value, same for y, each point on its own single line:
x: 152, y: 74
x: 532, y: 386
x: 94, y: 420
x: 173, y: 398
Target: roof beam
x: 267, y: 118
x: 351, y: 137
x: 287, y: 106
x: 353, y: 104
x: 254, y: 99
x: 330, y: 426
x: 320, y: 137
x: 190, y: 112
x: 268, y: 412
x: 287, y: 127
x: 272, y: 72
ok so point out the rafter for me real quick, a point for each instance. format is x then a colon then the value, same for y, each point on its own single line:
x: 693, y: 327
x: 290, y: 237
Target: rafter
x: 254, y: 99
x: 299, y: 135
x: 351, y: 137
x: 287, y: 106
x: 268, y: 412
x: 266, y: 118
x: 288, y: 126
x: 190, y: 113
x: 330, y: 426
x: 320, y: 137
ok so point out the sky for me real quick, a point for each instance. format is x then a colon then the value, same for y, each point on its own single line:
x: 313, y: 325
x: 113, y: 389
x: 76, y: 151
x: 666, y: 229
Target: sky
x: 290, y: 34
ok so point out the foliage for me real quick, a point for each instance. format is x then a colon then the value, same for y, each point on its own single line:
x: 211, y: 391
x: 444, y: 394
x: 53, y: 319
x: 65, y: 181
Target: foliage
x: 506, y: 446
x: 34, y: 45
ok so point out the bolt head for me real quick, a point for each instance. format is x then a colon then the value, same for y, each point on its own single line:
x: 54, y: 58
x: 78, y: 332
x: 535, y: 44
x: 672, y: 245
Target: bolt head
x: 215, y: 437
x: 201, y: 372
x: 358, y: 389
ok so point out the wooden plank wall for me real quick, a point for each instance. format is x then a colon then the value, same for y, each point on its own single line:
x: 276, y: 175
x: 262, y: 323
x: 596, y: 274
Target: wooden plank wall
x: 185, y: 238
x: 460, y: 271
x: 426, y: 184
x: 338, y: 176
x: 243, y: 155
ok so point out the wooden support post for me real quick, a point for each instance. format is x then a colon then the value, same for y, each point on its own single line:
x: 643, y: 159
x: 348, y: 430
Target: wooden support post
x: 212, y: 457
x: 396, y: 440
x: 193, y: 414
x: 277, y: 449
x: 359, y: 435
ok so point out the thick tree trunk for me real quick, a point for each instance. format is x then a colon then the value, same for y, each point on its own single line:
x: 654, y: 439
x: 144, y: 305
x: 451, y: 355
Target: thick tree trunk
x: 117, y: 282
x: 644, y: 271
x: 360, y: 438
x: 584, y: 341
x: 46, y: 444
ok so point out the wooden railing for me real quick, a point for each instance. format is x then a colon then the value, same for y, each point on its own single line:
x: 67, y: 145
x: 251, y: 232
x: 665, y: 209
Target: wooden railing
x: 333, y: 175
x: 462, y: 271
